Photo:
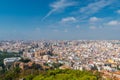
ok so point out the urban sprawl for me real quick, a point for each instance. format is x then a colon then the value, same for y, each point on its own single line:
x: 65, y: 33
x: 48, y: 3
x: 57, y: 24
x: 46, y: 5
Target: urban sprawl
x: 76, y: 54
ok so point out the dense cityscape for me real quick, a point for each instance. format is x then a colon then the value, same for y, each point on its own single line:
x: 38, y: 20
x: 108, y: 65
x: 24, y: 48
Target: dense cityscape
x: 103, y: 56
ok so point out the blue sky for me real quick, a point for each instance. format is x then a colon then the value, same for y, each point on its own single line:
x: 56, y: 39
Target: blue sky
x: 59, y: 19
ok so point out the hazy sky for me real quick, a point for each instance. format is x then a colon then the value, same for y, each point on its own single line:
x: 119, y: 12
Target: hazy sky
x: 59, y: 19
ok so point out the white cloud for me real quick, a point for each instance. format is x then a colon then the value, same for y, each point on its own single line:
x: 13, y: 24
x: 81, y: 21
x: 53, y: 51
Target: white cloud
x: 118, y: 11
x: 65, y: 30
x: 94, y: 7
x: 55, y: 30
x: 94, y: 19
x: 58, y: 6
x: 68, y: 19
x: 92, y: 27
x: 113, y: 23
x: 78, y: 26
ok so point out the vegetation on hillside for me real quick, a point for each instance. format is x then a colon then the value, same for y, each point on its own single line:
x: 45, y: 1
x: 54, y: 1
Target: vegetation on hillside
x: 67, y: 75
x: 32, y: 74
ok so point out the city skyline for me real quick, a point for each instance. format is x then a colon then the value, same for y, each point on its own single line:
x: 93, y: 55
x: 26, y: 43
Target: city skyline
x: 59, y: 19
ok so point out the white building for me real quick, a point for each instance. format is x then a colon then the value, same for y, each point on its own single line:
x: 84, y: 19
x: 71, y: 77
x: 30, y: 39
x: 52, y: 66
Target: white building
x: 10, y: 61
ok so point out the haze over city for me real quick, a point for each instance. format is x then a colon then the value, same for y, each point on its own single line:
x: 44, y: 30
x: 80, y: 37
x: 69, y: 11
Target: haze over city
x: 59, y: 19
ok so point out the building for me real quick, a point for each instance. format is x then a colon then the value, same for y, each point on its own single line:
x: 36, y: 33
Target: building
x: 10, y: 61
